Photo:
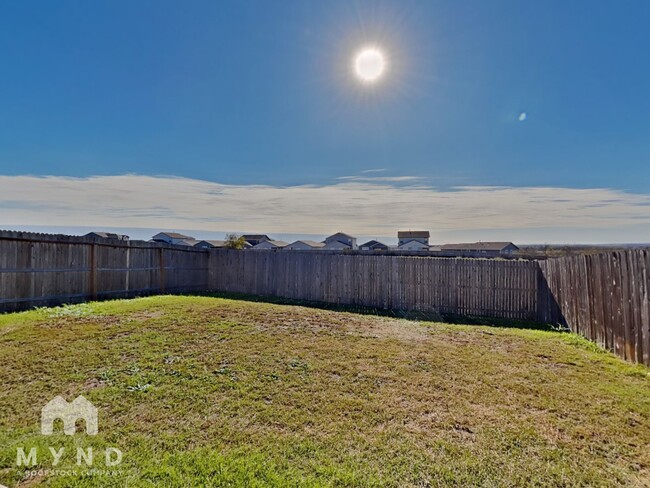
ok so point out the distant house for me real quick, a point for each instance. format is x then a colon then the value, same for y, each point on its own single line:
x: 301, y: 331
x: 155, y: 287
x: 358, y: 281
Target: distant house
x: 336, y: 245
x: 493, y: 248
x: 107, y: 235
x: 171, y: 237
x: 191, y: 242
x: 304, y: 246
x: 340, y: 240
x: 270, y: 245
x: 413, y: 245
x: 209, y: 244
x: 413, y: 240
x: 373, y: 246
x: 255, y: 239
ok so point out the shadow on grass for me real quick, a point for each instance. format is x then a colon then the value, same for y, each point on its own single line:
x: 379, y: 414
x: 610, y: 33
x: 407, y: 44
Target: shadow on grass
x: 402, y: 314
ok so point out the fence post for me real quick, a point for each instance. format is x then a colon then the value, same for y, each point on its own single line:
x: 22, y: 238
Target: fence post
x: 93, y: 272
x: 128, y: 268
x: 161, y: 264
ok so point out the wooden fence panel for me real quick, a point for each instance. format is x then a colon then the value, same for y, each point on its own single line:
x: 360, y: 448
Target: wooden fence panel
x: 604, y: 297
x: 45, y: 270
x: 505, y: 289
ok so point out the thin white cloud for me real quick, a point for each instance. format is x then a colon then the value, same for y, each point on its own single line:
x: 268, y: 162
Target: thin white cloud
x: 377, y: 170
x: 382, y: 179
x: 364, y: 207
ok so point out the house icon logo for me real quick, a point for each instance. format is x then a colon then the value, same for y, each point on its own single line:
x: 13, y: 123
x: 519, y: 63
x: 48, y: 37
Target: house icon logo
x: 58, y: 408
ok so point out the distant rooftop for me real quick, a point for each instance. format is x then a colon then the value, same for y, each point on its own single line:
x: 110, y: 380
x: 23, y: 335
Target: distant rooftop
x: 311, y: 243
x: 279, y: 243
x: 108, y: 235
x: 342, y: 234
x: 188, y: 242
x: 413, y: 234
x: 213, y: 243
x: 175, y: 235
x: 372, y: 243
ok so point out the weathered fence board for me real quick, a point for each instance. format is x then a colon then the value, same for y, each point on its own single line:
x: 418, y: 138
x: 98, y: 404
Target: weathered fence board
x: 604, y: 297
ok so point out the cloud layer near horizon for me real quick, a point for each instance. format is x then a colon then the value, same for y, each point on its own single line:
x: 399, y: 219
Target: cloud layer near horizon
x: 365, y: 206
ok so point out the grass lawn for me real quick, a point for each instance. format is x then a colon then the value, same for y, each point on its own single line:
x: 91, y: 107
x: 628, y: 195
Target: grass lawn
x: 199, y: 391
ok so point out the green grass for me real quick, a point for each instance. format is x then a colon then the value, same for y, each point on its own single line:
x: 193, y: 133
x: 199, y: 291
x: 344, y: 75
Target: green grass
x: 201, y: 391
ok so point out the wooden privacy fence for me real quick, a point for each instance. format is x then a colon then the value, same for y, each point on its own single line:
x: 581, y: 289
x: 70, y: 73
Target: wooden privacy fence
x: 43, y: 270
x: 604, y: 297
x: 477, y: 287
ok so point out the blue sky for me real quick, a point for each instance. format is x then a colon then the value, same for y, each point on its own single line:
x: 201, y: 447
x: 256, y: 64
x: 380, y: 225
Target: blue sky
x: 248, y: 94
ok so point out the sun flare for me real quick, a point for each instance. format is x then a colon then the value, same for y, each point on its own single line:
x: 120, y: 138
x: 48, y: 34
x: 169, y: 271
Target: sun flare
x: 369, y: 64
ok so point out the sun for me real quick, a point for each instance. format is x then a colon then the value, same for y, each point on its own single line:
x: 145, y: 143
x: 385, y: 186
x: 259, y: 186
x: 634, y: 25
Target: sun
x: 369, y: 64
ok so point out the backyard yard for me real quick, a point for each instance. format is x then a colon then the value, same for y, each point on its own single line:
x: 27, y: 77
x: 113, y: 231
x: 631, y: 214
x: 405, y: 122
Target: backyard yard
x: 220, y: 392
